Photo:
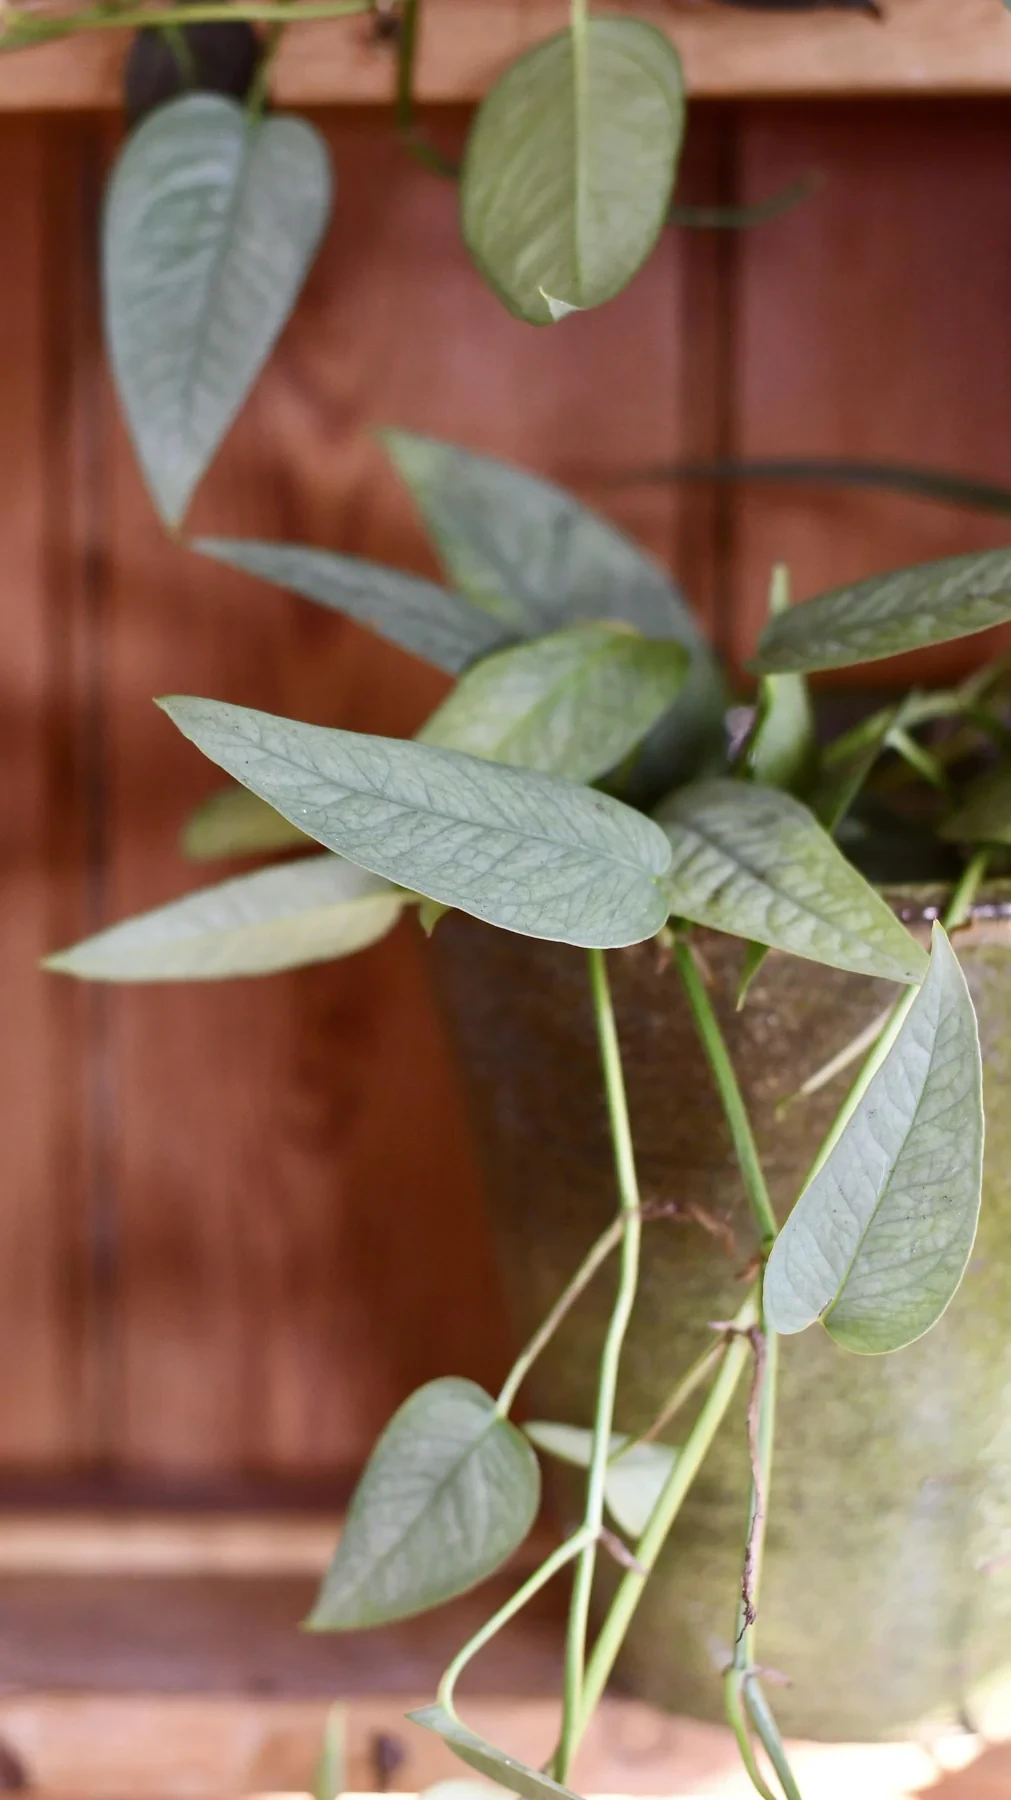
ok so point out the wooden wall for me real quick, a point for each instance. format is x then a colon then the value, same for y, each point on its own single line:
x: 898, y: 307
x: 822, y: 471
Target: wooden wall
x: 238, y: 1223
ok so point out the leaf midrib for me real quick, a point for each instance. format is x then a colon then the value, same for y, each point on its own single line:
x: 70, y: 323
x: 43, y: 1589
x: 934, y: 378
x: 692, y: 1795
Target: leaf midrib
x: 602, y: 855
x: 762, y: 880
x: 434, y: 1494
x: 827, y: 1312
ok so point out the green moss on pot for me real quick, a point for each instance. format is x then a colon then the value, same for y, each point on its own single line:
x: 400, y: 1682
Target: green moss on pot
x: 892, y: 1487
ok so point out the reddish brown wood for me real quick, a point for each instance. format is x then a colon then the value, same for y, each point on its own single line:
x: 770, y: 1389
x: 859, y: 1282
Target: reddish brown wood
x: 873, y: 322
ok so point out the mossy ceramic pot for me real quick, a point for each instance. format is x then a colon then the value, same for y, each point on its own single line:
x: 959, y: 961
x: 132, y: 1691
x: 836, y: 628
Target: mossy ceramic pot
x: 887, y: 1593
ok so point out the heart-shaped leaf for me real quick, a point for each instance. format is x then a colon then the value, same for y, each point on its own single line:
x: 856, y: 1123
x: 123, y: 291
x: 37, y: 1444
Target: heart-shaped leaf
x: 450, y: 1491
x: 878, y: 1242
x: 984, y: 813
x: 504, y: 1770
x: 635, y: 1478
x: 755, y: 862
x: 570, y: 166
x: 234, y: 822
x: 782, y: 749
x: 526, y: 550
x: 526, y: 851
x: 574, y: 703
x: 429, y: 621
x: 309, y: 911
x: 212, y: 220
x: 887, y: 614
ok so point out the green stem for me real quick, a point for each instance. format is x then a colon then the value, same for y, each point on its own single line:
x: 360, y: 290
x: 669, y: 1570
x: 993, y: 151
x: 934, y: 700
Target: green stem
x: 24, y: 28
x: 703, y: 1366
x: 708, y: 1028
x: 738, y: 1721
x: 601, y: 1250
x: 736, y: 1353
x: 628, y: 1276
x: 256, y: 99
x: 762, y: 1718
x: 540, y: 1578
x: 185, y: 61
x: 405, y: 113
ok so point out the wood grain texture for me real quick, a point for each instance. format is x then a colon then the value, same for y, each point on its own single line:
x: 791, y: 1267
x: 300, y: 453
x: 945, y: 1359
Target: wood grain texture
x: 872, y: 323
x: 924, y: 47
x: 48, y: 1400
x: 299, y: 1237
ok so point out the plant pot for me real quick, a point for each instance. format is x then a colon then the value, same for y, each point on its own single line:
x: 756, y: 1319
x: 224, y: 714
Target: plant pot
x: 885, y: 1601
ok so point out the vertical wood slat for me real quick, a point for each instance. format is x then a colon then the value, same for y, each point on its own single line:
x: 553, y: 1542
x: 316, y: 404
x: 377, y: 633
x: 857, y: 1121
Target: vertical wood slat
x: 873, y: 323
x: 49, y: 1325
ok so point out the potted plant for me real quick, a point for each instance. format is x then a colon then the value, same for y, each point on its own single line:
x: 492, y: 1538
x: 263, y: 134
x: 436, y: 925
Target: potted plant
x: 651, y: 1118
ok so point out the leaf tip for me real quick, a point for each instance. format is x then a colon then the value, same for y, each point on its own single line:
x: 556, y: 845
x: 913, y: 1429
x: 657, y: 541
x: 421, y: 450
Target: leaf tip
x: 559, y: 309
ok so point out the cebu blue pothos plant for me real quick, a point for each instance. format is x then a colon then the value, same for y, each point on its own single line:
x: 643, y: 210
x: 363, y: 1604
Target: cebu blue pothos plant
x: 216, y: 207
x: 580, y: 785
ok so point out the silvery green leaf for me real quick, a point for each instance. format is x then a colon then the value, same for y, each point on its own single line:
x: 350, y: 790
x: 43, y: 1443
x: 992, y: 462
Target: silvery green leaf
x: 983, y: 815
x: 528, y: 551
x: 907, y: 610
x: 525, y: 851
x: 573, y: 703
x: 635, y: 1478
x: 755, y: 862
x: 570, y: 166
x: 234, y: 822
x: 504, y: 1770
x: 782, y: 749
x: 877, y: 1244
x: 309, y: 911
x: 212, y: 220
x: 449, y: 1492
x: 431, y: 622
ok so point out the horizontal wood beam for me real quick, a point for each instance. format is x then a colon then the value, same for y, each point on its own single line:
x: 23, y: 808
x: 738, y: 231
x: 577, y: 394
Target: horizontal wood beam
x: 128, y: 1748
x: 143, y: 1542
x: 921, y: 47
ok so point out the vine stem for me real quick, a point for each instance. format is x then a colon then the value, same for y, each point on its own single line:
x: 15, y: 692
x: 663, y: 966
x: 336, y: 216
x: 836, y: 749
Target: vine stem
x: 708, y: 1027
x: 594, y: 1259
x: 549, y: 1568
x: 23, y: 29
x: 736, y: 1353
x: 630, y: 1221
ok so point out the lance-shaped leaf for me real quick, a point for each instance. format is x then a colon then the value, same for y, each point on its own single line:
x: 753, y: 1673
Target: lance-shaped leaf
x: 309, y: 911
x: 504, y: 1770
x: 573, y: 703
x: 450, y: 1491
x: 528, y: 551
x: 431, y: 622
x: 211, y: 222
x: 878, y: 1243
x: 888, y: 614
x: 526, y: 851
x: 635, y: 1477
x: 570, y: 166
x: 984, y: 814
x: 234, y: 822
x: 755, y: 862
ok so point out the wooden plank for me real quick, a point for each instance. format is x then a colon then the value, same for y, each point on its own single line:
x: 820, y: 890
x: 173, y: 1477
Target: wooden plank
x: 185, y: 1543
x: 300, y: 1234
x: 924, y: 47
x: 190, y: 1746
x: 46, y: 1399
x: 871, y: 325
